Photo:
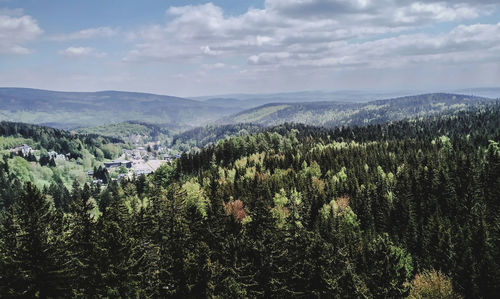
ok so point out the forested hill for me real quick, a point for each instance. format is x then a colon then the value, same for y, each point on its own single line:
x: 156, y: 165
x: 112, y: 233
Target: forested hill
x: 380, y: 211
x: 57, y: 140
x: 85, y: 109
x: 52, y: 158
x: 338, y: 114
x: 131, y: 131
x: 203, y: 136
x: 430, y: 186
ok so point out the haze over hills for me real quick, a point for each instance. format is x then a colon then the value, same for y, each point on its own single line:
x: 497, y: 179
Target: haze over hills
x: 351, y: 96
x: 84, y: 109
x: 344, y: 113
x: 489, y: 92
x: 71, y: 110
x: 255, y: 100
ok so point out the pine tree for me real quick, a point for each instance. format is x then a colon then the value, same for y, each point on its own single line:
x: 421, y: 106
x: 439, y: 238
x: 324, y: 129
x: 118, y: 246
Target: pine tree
x: 264, y: 248
x: 117, y: 265
x: 10, y: 277
x: 387, y: 269
x: 39, y: 262
x: 83, y: 249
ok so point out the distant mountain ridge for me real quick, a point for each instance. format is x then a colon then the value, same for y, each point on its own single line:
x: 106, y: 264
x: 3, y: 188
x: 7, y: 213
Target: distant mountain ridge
x: 84, y: 109
x: 247, y: 101
x: 71, y: 110
x: 349, y: 96
x: 342, y: 113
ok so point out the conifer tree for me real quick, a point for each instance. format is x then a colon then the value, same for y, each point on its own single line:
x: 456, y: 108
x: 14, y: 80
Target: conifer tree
x: 118, y: 267
x: 42, y: 273
x: 387, y: 269
x: 83, y: 250
x: 10, y: 278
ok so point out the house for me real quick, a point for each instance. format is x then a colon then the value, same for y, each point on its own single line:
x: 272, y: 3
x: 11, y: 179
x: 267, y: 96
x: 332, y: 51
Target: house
x: 127, y: 164
x: 55, y: 155
x: 112, y: 164
x: 118, y: 163
x: 24, y: 149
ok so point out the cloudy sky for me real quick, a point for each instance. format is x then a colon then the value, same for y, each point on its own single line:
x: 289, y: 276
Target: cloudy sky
x: 189, y: 48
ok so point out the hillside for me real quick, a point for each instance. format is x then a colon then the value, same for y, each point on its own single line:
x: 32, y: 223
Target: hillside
x: 203, y: 136
x: 85, y: 109
x: 254, y: 100
x: 131, y: 131
x: 375, y: 211
x: 52, y: 157
x: 338, y: 114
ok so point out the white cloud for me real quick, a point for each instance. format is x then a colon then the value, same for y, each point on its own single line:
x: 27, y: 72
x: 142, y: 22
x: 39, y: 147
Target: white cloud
x: 299, y: 43
x: 97, y: 32
x: 440, y: 11
x: 15, y: 31
x: 307, y: 32
x: 207, y: 51
x: 77, y: 52
x: 467, y: 44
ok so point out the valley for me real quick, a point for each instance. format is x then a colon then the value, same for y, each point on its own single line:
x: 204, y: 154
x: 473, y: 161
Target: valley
x: 250, y: 149
x: 392, y: 187
x: 144, y: 146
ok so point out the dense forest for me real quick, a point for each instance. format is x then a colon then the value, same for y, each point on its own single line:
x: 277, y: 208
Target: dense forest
x: 132, y: 132
x: 203, y: 136
x: 405, y: 209
x: 332, y: 114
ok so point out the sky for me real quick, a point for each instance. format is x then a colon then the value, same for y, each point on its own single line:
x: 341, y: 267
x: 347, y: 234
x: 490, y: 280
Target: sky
x: 195, y: 48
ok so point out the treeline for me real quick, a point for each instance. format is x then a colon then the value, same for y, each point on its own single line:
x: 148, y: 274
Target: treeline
x: 202, y: 136
x: 477, y: 125
x: 61, y: 141
x: 389, y: 211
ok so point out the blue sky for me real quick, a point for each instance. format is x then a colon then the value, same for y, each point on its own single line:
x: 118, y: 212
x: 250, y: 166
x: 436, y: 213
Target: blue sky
x: 190, y: 48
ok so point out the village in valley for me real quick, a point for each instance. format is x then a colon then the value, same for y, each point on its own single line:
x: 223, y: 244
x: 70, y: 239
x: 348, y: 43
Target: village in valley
x: 141, y: 160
